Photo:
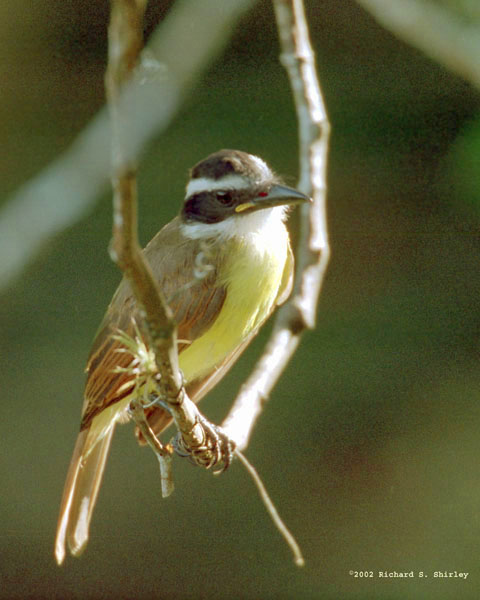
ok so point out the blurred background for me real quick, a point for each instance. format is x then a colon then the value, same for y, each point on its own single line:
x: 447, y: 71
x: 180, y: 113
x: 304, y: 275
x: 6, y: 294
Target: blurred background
x: 370, y: 443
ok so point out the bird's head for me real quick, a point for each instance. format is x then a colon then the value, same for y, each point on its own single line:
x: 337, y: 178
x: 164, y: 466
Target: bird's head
x: 231, y: 183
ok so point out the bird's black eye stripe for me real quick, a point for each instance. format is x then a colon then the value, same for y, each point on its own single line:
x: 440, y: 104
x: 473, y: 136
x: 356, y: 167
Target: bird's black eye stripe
x: 209, y: 206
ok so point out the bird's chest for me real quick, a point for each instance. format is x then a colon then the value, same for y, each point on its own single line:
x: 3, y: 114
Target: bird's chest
x: 251, y: 271
x: 252, y: 277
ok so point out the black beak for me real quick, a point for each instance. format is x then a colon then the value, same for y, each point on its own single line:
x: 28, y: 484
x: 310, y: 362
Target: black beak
x: 281, y: 194
x: 278, y: 195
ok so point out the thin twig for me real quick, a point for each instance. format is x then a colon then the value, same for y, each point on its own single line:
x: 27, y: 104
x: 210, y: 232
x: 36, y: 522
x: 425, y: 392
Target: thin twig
x: 125, y: 44
x: 313, y: 252
x: 272, y: 511
x: 437, y: 30
x: 163, y: 453
x: 156, y: 322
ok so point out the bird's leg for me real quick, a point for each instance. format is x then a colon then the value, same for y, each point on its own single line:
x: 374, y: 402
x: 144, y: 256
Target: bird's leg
x: 136, y: 410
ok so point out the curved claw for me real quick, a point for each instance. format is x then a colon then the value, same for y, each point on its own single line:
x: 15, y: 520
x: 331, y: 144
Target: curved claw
x: 216, y: 448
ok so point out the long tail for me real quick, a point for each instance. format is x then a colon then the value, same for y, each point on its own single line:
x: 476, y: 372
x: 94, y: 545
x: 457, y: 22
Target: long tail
x: 81, y: 490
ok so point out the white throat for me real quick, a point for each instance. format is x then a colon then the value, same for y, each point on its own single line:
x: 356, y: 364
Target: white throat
x: 257, y: 222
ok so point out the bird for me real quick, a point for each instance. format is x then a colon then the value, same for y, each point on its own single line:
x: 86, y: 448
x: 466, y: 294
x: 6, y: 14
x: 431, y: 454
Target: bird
x: 223, y: 265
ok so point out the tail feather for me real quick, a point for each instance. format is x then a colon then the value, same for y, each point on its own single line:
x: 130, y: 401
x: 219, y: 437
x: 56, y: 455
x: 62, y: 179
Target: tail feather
x: 81, y: 490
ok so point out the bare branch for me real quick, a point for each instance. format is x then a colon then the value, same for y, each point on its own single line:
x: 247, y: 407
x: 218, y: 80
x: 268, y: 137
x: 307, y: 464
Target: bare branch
x: 434, y: 29
x: 313, y: 253
x: 156, y: 322
x: 183, y: 46
x: 125, y: 44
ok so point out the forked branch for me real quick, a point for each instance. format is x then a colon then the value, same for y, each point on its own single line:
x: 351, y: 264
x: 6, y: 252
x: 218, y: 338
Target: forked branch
x: 312, y: 257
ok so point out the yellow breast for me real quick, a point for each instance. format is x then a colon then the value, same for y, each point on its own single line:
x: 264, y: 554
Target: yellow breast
x: 252, y: 274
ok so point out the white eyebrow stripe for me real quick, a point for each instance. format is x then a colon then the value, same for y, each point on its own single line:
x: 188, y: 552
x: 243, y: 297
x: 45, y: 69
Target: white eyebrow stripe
x: 204, y: 184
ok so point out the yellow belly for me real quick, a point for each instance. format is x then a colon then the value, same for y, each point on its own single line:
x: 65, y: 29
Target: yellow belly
x: 252, y: 275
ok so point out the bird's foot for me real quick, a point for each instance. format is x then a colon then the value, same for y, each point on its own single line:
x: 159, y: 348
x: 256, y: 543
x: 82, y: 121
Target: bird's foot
x: 216, y: 447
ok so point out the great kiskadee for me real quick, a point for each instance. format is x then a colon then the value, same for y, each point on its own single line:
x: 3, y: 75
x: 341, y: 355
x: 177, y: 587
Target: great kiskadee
x: 232, y: 225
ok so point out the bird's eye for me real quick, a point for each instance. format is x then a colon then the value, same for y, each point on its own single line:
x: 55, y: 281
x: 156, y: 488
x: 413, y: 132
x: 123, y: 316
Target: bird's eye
x: 225, y: 198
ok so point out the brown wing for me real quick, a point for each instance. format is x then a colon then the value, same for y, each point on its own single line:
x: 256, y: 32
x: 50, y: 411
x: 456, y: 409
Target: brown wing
x: 195, y: 304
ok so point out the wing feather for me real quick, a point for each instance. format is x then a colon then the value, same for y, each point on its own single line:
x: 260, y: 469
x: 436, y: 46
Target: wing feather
x: 195, y: 304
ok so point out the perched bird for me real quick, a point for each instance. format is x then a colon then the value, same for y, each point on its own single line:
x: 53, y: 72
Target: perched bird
x: 223, y: 264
